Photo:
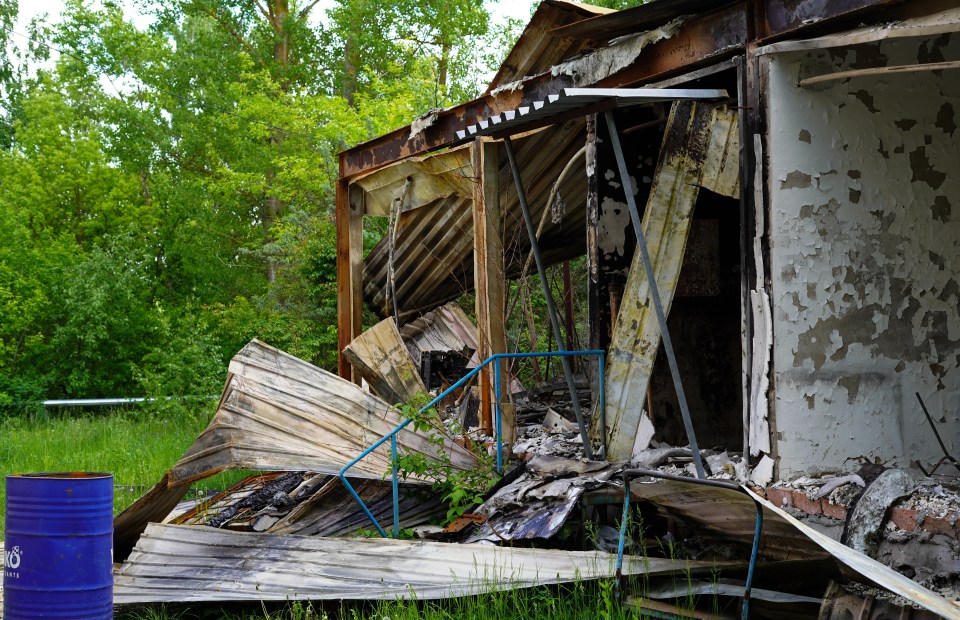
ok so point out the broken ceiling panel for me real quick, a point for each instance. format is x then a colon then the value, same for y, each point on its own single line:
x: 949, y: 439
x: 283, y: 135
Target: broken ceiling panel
x: 187, y: 564
x: 278, y: 412
x: 447, y: 329
x: 384, y: 361
x: 431, y: 178
x: 696, y: 133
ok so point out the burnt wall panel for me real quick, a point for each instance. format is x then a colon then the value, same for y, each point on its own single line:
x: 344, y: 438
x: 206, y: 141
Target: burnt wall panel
x: 865, y: 247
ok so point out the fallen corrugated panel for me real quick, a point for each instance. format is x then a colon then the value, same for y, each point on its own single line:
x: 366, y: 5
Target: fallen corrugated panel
x: 317, y: 506
x: 447, y: 328
x: 696, y: 133
x: 384, y: 361
x: 538, y: 503
x: 731, y: 516
x: 280, y: 413
x: 331, y: 512
x: 186, y: 564
x: 870, y: 569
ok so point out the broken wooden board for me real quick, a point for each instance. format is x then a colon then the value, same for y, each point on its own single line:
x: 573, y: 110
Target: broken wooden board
x: 382, y: 359
x: 279, y: 413
x: 187, y: 564
x: 699, y: 140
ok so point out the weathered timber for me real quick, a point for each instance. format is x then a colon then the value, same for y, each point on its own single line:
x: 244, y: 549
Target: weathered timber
x: 349, y: 211
x: 489, y: 277
x: 379, y: 355
x: 695, y: 134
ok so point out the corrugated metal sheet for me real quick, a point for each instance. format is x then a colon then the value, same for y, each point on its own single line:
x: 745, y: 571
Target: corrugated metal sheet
x: 731, y: 515
x: 448, y: 328
x: 383, y: 360
x: 279, y: 413
x: 186, y: 564
x: 317, y: 507
x: 585, y: 100
x: 434, y: 250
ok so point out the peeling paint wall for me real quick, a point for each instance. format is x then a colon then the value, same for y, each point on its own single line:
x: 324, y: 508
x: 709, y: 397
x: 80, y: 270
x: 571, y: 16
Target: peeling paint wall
x: 864, y: 209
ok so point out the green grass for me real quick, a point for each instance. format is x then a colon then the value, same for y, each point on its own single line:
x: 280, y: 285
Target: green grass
x: 134, y: 446
x: 575, y: 601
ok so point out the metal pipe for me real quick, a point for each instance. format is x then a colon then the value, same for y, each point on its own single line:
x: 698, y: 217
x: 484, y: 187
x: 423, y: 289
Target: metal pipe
x: 392, y: 435
x: 654, y: 293
x: 551, y: 308
x: 101, y: 402
x: 396, y: 487
x: 498, y: 429
x: 758, y: 526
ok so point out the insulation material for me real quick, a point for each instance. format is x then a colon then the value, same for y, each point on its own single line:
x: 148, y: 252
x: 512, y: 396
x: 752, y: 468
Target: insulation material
x: 383, y: 360
x: 190, y: 564
x: 592, y: 67
x: 865, y: 239
x: 432, y: 178
x: 279, y: 413
x: 692, y: 131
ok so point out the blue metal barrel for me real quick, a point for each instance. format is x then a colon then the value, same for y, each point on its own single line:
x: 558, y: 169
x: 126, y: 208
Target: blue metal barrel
x: 58, y: 552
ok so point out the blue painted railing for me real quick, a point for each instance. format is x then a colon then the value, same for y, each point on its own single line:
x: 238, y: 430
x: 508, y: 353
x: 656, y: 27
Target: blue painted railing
x: 495, y: 359
x: 719, y: 484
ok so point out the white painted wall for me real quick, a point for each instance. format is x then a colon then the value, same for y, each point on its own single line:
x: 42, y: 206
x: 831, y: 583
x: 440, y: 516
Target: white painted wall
x: 864, y: 186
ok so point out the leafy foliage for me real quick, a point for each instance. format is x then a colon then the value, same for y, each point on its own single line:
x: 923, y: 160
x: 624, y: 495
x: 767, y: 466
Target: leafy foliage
x: 459, y: 489
x: 166, y: 191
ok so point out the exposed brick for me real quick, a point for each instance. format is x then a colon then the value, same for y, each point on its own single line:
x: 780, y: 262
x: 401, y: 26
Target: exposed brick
x: 807, y: 505
x: 834, y: 511
x: 780, y: 497
x: 939, y: 525
x: 904, y: 518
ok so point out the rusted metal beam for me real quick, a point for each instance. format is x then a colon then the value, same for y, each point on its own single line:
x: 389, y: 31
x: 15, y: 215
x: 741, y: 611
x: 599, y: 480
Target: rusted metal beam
x: 702, y: 40
x: 780, y: 18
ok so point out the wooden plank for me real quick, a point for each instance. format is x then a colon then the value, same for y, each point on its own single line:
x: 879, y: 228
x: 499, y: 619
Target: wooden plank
x: 349, y: 226
x: 489, y: 277
x: 880, y: 71
x: 193, y: 563
x: 381, y: 357
x: 695, y: 132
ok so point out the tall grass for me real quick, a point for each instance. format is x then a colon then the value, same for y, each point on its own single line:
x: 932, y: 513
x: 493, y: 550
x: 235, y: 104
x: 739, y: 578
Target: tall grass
x: 135, y: 446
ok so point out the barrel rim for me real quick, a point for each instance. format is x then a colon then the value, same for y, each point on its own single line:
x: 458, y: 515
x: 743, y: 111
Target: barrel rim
x: 63, y: 475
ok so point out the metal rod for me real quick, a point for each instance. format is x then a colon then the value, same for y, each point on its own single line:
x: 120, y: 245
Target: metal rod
x: 392, y: 435
x: 551, y: 308
x: 498, y: 422
x: 603, y: 402
x: 655, y: 294
x: 758, y: 525
x: 933, y: 427
x: 396, y: 487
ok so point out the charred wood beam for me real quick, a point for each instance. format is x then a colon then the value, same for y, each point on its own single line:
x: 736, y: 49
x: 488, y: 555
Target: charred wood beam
x: 702, y: 40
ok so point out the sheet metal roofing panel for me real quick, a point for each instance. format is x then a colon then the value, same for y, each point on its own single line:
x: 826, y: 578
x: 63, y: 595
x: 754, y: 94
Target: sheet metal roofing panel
x: 280, y: 413
x: 434, y: 252
x: 187, y: 564
x: 571, y: 100
x: 538, y: 47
